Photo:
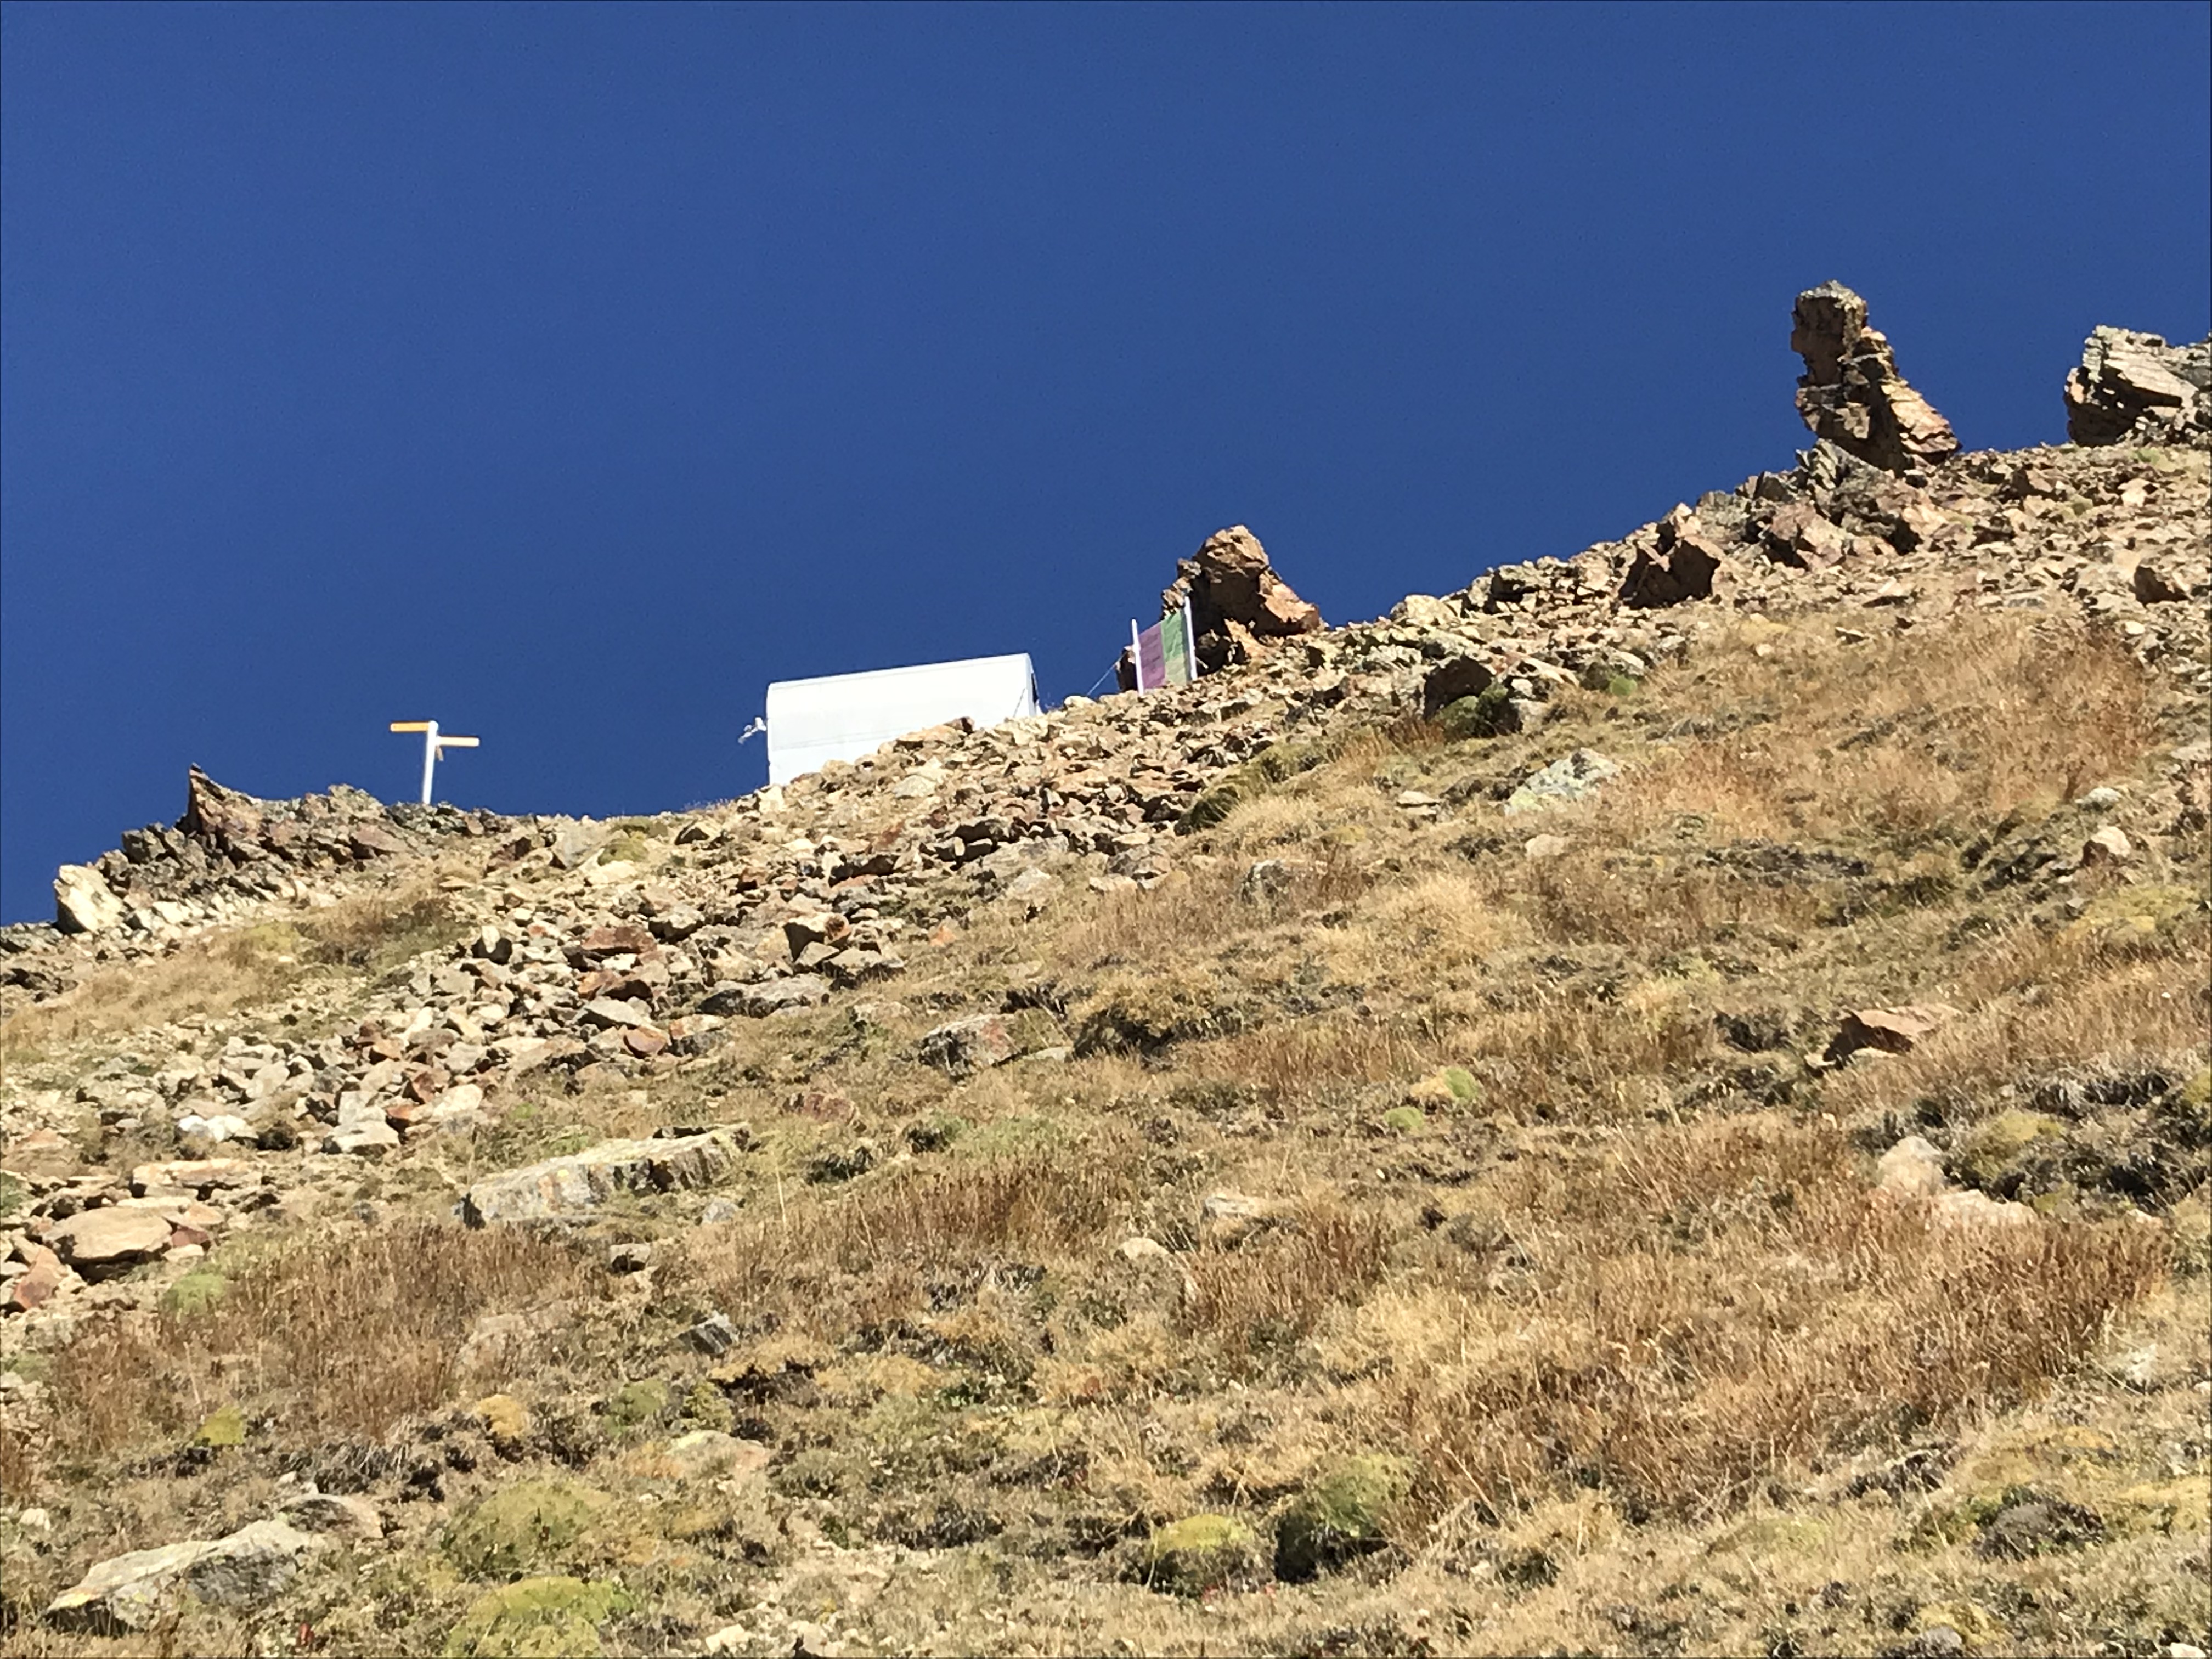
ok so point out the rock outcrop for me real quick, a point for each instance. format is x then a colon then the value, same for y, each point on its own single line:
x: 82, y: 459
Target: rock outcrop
x: 1238, y: 602
x: 1851, y: 393
x: 2135, y: 388
x: 230, y: 847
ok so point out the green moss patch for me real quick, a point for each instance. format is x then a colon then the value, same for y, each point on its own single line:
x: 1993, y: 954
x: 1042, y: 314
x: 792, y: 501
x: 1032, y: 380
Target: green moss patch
x: 1488, y: 714
x: 537, y: 1618
x: 1273, y: 766
x: 195, y: 1293
x: 635, y: 1404
x: 1990, y: 1151
x: 1199, y: 1553
x: 523, y: 1527
x: 223, y: 1427
x: 1339, y: 1515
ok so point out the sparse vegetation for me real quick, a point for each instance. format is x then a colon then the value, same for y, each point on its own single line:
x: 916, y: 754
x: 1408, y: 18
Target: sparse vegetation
x: 1392, y: 1225
x: 222, y: 972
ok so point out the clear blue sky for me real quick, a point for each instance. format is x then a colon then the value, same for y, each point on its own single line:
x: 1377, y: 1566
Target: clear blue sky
x: 569, y: 373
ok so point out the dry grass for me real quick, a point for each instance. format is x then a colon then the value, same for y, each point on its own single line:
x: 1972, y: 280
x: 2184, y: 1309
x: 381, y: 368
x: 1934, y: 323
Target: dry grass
x: 834, y: 1263
x: 1261, y: 1297
x: 343, y: 1337
x: 2040, y: 1003
x: 1593, y: 893
x: 1427, y: 924
x: 1197, y: 912
x: 1562, y: 1054
x: 17, y: 1468
x: 1152, y: 928
x: 1721, y: 1306
x: 1906, y: 737
x: 1639, y: 1288
x: 1290, y: 1060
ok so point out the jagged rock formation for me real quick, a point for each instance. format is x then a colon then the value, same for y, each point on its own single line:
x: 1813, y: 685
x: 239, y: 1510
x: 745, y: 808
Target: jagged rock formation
x: 229, y: 847
x: 1238, y: 602
x: 1851, y: 392
x: 2135, y: 388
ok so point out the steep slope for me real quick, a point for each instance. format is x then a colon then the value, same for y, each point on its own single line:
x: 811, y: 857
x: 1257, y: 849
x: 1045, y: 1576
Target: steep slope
x: 1655, y: 1103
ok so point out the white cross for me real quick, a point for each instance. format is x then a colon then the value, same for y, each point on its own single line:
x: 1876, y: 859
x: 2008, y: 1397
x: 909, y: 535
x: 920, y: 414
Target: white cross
x: 433, y: 746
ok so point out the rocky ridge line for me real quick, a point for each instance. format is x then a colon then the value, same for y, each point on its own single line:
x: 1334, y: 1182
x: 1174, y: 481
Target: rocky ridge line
x: 581, y: 950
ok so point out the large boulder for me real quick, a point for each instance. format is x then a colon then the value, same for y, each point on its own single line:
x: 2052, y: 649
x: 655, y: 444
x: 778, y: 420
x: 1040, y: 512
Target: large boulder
x: 128, y: 1593
x: 1851, y: 393
x: 113, y: 1240
x: 1238, y: 602
x: 1681, y: 568
x: 965, y: 1047
x: 1571, y: 778
x: 2134, y: 386
x: 1896, y: 1030
x: 562, y: 1188
x: 84, y: 902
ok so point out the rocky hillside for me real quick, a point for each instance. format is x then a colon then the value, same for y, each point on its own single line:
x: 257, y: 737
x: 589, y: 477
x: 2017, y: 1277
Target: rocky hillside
x: 1656, y: 1104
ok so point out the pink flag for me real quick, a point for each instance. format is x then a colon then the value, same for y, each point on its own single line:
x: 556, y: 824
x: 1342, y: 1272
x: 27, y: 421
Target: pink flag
x: 1151, y: 659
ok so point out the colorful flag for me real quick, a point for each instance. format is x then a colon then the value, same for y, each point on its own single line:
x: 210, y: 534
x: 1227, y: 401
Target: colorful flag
x: 1166, y: 652
x: 1152, y: 658
x: 1175, y: 647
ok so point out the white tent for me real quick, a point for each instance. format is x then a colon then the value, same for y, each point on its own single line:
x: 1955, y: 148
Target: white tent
x: 845, y: 716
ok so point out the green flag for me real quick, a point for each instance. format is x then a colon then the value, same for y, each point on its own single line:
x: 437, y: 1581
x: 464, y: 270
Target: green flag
x: 1174, y: 646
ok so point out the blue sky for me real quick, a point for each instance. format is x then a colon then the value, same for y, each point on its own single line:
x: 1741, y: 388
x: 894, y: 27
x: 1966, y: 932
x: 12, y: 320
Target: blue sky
x: 566, y: 374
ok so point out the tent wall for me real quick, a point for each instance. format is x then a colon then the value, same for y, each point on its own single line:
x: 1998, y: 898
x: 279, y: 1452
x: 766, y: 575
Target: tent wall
x: 845, y: 716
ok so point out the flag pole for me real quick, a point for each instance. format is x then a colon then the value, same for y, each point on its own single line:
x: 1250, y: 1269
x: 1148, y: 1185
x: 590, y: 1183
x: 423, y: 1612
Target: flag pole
x: 430, y: 758
x: 434, y: 744
x: 1136, y: 653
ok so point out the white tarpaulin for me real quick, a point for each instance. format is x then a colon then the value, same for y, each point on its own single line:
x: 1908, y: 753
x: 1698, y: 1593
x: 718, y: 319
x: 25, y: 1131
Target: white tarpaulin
x: 845, y: 716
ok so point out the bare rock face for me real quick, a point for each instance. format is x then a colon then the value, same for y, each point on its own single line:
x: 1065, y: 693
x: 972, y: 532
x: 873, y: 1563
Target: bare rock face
x: 2135, y: 388
x: 128, y: 1593
x: 1851, y: 393
x: 1238, y: 602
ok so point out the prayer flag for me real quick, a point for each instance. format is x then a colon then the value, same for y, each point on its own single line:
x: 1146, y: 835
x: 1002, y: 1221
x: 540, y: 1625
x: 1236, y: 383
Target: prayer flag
x: 1151, y: 658
x: 1175, y: 647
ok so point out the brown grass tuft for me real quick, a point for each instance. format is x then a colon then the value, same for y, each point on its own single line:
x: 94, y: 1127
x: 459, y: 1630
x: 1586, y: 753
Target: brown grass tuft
x: 1906, y: 737
x: 1728, y: 1303
x: 1260, y: 1298
x: 869, y: 1242
x: 1292, y: 1059
x: 344, y: 1337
